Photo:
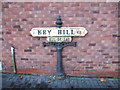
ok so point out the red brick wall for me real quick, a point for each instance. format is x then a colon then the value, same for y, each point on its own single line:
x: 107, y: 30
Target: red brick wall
x: 96, y: 54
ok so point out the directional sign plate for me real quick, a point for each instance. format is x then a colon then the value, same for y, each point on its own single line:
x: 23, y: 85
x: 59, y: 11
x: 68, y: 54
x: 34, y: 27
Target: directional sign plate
x: 59, y: 39
x: 58, y: 32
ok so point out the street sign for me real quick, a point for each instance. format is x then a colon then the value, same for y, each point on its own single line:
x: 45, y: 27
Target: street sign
x: 61, y: 32
x: 59, y: 39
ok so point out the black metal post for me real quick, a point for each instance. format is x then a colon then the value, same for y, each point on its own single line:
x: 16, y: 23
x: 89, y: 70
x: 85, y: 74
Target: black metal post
x: 60, y: 69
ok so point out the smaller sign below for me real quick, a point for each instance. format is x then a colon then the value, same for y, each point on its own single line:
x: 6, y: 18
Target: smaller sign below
x: 59, y: 39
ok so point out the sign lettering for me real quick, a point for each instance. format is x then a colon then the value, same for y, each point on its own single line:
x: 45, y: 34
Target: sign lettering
x: 59, y: 39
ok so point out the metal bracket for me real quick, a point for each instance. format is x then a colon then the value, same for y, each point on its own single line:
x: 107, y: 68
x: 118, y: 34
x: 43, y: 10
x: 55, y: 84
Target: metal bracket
x: 53, y: 50
x: 59, y: 44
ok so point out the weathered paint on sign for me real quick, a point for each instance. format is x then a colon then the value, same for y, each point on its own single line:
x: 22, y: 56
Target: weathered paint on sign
x: 59, y: 39
x: 61, y: 32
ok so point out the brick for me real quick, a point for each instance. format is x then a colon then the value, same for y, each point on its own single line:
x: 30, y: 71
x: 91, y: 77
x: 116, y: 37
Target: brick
x: 89, y: 61
x: 1, y: 39
x: 96, y: 12
x: 27, y: 50
x: 92, y: 44
x: 28, y: 9
x: 46, y: 62
x: 68, y: 59
x: 115, y: 62
x: 80, y: 61
x: 108, y: 56
x: 79, y: 15
x: 74, y: 57
x: 5, y: 6
x: 100, y: 50
x: 15, y: 20
x: 16, y: 26
x: 95, y: 4
x: 105, y: 67
x: 20, y: 29
x: 88, y: 67
x: 103, y: 25
x: 49, y: 53
x: 24, y: 19
x: 105, y: 54
x: 75, y: 4
x: 8, y: 32
x: 24, y: 58
x: 64, y: 56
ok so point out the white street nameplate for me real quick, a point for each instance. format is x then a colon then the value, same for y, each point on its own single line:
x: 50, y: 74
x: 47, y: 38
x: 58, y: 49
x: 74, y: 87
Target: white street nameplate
x: 58, y: 32
x: 59, y: 39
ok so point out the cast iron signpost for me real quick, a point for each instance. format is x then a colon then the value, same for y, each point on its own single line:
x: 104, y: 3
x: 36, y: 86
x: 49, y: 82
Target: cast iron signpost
x: 59, y: 46
x: 59, y: 37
